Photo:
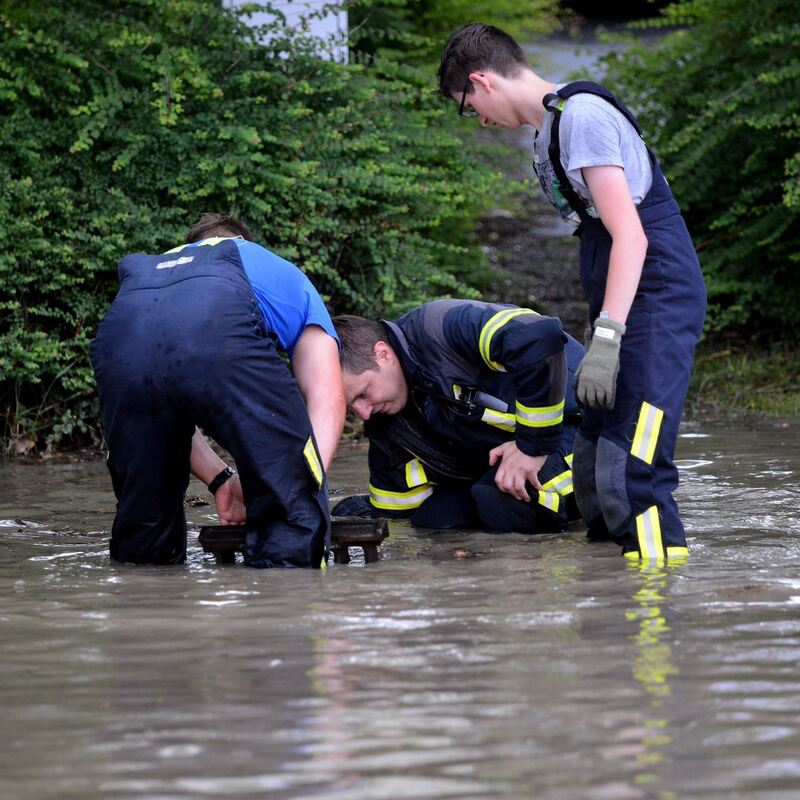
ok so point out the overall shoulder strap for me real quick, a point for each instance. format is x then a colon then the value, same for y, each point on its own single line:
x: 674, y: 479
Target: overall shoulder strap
x: 590, y: 87
x: 555, y: 103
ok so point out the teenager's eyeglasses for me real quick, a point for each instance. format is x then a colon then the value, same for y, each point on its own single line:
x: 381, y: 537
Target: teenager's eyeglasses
x: 470, y: 113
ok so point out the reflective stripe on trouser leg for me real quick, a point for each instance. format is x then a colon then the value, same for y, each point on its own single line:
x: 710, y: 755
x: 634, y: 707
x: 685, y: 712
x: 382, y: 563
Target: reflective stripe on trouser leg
x: 645, y: 437
x: 675, y: 555
x: 651, y: 545
x: 655, y: 360
x: 313, y: 462
x: 635, y: 471
x: 399, y: 501
x: 648, y: 533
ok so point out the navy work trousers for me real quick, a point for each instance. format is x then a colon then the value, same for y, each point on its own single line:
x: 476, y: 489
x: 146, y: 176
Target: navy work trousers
x: 482, y: 505
x: 623, y: 467
x: 181, y: 348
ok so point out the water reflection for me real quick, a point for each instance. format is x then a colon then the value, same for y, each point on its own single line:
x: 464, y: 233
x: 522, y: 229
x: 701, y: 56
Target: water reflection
x: 653, y: 668
x: 460, y: 665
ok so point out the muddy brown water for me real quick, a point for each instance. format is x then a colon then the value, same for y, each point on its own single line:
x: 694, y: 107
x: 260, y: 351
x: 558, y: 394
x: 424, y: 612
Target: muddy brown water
x: 462, y: 665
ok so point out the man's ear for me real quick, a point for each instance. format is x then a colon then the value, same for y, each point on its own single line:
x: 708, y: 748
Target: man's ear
x: 481, y: 79
x: 383, y: 353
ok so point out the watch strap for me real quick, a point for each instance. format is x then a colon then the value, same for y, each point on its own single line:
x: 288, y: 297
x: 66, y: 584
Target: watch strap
x: 221, y: 477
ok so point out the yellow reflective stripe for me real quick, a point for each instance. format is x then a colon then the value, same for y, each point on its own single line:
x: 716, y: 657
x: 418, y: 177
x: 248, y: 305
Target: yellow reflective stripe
x: 675, y: 555
x: 549, y: 500
x: 648, y: 532
x: 312, y: 459
x: 562, y: 483
x: 415, y: 473
x: 568, y: 458
x: 399, y: 501
x: 323, y: 565
x: 541, y: 417
x: 490, y: 329
x: 647, y: 429
x: 499, y: 419
x: 205, y: 243
x: 456, y: 391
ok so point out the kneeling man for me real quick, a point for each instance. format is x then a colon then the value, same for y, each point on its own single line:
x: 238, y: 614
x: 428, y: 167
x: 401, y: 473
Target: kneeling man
x: 470, y: 413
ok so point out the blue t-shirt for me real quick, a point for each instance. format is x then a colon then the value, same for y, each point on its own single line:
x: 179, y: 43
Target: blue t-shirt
x: 287, y: 298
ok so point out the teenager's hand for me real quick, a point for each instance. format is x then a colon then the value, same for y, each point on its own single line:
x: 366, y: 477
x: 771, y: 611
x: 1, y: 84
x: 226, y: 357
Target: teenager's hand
x: 596, y: 377
x: 515, y: 470
x: 230, y: 502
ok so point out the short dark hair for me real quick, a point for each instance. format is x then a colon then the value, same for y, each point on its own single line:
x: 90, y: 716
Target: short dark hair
x: 476, y: 47
x: 358, y: 337
x: 213, y: 224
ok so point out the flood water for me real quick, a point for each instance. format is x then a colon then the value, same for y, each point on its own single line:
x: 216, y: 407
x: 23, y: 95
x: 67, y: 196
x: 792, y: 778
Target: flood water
x: 534, y: 667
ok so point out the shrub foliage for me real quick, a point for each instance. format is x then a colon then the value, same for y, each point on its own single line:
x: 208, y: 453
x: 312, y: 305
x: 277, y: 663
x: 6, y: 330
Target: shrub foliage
x: 417, y: 29
x: 121, y: 121
x: 721, y: 106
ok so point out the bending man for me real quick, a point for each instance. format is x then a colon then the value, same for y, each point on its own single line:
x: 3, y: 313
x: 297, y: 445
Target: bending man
x: 470, y: 415
x: 192, y: 339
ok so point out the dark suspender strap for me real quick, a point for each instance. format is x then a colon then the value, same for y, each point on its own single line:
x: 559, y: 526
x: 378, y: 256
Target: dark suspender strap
x: 576, y: 202
x: 590, y: 87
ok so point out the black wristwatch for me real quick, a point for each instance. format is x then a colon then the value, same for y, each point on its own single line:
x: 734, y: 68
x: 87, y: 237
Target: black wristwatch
x: 223, y: 476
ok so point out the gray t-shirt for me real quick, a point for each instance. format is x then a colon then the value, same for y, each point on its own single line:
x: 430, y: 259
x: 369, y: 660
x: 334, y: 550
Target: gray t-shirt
x: 592, y: 133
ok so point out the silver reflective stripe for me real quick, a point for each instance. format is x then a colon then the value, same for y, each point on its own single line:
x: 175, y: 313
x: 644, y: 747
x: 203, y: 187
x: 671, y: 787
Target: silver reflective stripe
x: 541, y: 417
x: 645, y: 438
x: 549, y: 500
x: 507, y: 422
x: 383, y: 498
x: 490, y: 329
x: 561, y: 483
x: 648, y: 532
x: 415, y: 474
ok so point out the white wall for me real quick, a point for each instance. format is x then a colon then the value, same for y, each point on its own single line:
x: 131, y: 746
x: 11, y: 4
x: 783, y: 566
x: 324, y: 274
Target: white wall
x: 330, y: 29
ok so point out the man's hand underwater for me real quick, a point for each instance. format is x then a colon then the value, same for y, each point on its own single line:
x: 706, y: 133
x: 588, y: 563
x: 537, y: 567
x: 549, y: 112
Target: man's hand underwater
x: 230, y: 502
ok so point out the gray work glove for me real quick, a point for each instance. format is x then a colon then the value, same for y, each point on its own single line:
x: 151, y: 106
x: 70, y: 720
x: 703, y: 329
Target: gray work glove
x: 596, y: 377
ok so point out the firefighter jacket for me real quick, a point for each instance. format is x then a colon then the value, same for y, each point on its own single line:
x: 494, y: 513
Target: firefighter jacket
x: 479, y: 374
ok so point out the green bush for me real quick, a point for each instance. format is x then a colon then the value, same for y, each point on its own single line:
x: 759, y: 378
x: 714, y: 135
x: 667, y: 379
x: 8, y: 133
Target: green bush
x: 416, y: 30
x: 121, y: 122
x: 719, y: 101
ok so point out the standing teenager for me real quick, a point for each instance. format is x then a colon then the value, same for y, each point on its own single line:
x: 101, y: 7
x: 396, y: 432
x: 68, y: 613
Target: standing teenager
x: 639, y: 270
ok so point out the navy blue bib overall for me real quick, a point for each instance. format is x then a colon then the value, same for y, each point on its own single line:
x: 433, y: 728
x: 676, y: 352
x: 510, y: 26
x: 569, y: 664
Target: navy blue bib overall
x: 623, y: 469
x: 183, y: 344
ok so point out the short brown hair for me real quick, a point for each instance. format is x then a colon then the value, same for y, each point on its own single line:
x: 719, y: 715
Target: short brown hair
x: 476, y: 47
x: 358, y: 337
x: 213, y: 224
